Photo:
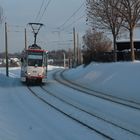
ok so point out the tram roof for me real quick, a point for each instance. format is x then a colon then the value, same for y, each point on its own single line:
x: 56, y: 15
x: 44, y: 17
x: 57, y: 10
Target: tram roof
x: 36, y: 50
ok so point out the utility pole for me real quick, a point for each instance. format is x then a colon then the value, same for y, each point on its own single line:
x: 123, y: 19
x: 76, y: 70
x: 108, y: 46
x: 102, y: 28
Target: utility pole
x: 25, y: 39
x: 74, y: 48
x: 70, y: 58
x: 64, y: 59
x: 6, y: 50
x: 77, y: 49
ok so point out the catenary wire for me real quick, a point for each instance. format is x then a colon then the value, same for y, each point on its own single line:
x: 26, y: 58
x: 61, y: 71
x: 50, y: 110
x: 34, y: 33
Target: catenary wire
x: 39, y: 10
x: 48, y: 3
x: 77, y: 10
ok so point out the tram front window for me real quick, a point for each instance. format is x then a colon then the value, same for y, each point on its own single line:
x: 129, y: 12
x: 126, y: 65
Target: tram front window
x: 35, y: 62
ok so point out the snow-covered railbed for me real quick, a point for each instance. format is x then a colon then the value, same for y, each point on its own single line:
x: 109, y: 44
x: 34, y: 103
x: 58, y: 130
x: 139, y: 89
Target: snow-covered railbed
x: 75, y: 111
x: 127, y: 119
x: 59, y: 76
x: 67, y: 110
x: 24, y: 116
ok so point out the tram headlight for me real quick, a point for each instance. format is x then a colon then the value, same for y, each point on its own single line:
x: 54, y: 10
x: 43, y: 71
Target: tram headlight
x: 40, y: 74
x: 28, y: 73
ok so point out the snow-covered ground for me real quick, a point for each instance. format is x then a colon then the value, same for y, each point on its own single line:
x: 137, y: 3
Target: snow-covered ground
x: 24, y: 117
x: 118, y: 79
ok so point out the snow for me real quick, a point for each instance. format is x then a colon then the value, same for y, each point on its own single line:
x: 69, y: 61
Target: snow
x: 24, y: 117
x: 118, y: 79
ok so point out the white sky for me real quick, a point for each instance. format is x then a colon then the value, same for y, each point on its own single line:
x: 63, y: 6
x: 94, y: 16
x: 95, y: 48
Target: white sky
x: 21, y: 12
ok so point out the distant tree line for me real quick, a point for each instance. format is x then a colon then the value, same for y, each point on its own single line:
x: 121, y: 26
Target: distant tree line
x: 10, y: 55
x: 58, y: 57
x: 114, y: 16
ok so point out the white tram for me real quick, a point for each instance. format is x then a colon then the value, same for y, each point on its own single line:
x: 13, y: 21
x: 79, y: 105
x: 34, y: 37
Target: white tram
x: 34, y: 65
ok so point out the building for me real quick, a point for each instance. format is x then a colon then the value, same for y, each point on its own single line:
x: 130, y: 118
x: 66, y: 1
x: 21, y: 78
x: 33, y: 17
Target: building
x: 123, y: 45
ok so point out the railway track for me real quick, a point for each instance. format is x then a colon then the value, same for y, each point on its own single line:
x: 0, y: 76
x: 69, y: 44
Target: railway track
x: 105, y: 136
x: 95, y: 93
x: 76, y: 118
x: 119, y: 101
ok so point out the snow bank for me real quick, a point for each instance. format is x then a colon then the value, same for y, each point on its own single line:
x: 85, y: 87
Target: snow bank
x: 118, y: 79
x: 51, y: 67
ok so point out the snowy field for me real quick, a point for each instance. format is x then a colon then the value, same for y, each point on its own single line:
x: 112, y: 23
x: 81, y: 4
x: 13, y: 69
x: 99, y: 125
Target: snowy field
x: 23, y: 117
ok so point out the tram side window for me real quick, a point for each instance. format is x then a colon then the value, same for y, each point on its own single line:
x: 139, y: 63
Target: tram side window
x: 35, y: 62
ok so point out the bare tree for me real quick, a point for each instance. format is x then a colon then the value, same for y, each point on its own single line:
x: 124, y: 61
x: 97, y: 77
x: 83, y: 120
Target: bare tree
x: 102, y: 15
x: 130, y: 11
x: 95, y: 43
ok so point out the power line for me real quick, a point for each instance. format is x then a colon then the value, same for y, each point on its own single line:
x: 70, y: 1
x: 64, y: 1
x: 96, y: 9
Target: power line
x: 16, y: 26
x: 71, y: 15
x: 40, y: 10
x: 78, y: 19
x: 44, y: 10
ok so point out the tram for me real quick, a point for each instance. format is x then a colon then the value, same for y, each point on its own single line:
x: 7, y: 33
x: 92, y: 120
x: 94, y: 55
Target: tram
x: 34, y: 63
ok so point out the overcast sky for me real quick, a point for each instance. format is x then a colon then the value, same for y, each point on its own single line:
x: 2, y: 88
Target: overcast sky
x: 57, y: 16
